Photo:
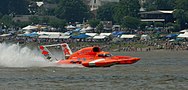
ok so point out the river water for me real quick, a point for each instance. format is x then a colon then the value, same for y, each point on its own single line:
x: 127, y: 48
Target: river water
x: 157, y: 70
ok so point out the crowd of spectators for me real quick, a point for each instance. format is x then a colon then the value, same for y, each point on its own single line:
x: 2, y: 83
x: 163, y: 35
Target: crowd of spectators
x: 127, y: 46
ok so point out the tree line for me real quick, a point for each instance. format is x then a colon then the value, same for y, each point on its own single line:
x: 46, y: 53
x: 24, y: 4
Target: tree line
x: 125, y: 13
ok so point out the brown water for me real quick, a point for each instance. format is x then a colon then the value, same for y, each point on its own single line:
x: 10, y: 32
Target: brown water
x: 158, y: 70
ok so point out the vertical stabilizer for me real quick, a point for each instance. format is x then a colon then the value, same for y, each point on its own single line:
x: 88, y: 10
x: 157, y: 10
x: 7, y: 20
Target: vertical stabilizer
x: 65, y: 47
x: 51, y: 56
x: 47, y: 54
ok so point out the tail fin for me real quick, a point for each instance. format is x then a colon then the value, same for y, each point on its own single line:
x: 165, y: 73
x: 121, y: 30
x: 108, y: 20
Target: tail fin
x: 65, y: 47
x: 48, y: 55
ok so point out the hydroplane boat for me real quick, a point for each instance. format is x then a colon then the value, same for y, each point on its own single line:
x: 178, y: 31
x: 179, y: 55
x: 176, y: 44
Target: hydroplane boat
x: 88, y: 56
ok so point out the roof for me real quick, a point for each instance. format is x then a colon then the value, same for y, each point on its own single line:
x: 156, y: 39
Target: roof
x: 70, y: 27
x: 64, y: 37
x: 5, y: 35
x: 81, y: 36
x: 91, y: 34
x: 128, y: 36
x: 30, y: 27
x: 151, y: 20
x: 49, y: 33
x: 54, y: 36
x: 158, y: 12
x: 186, y: 30
x: 44, y: 36
x: 182, y: 36
x: 99, y: 37
x: 105, y: 34
x: 185, y: 35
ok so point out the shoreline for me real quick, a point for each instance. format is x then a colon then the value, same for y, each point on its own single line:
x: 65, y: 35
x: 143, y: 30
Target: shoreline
x: 76, y: 46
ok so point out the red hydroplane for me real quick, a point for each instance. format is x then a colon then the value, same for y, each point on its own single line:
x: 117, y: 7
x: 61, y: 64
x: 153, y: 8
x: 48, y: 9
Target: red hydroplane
x: 88, y: 57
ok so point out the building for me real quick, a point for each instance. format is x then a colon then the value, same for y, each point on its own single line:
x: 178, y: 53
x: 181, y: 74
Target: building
x: 95, y: 4
x: 157, y: 16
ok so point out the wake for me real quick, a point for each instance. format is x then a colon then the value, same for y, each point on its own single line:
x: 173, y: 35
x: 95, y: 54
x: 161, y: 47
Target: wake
x: 13, y: 55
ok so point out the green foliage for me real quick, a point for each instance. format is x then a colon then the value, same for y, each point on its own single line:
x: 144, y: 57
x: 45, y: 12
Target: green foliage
x: 51, y: 1
x: 100, y: 28
x: 72, y: 10
x: 169, y: 24
x: 106, y: 12
x: 158, y: 24
x: 181, y: 13
x: 6, y: 20
x: 39, y: 20
x: 126, y: 8
x: 14, y: 7
x: 181, y: 17
x: 130, y: 22
x: 52, y: 21
x: 34, y: 19
x: 143, y: 25
x: 182, y: 4
x: 1, y: 15
x: 174, y: 27
x: 159, y: 5
x: 58, y: 23
x: 93, y: 22
x: 21, y: 24
x: 45, y: 19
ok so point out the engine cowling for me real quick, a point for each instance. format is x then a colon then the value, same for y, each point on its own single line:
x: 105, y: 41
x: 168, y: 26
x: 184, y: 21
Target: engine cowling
x: 96, y: 49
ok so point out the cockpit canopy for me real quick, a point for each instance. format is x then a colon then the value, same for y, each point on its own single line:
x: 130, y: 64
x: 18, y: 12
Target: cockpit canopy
x: 104, y: 54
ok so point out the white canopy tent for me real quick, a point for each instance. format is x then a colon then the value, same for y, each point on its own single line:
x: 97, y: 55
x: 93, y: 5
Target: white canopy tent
x: 105, y: 34
x: 85, y: 29
x: 70, y: 27
x: 99, y: 37
x: 145, y: 37
x: 29, y: 27
x: 49, y: 33
x: 89, y: 28
x: 44, y: 36
x: 64, y: 37
x: 5, y: 35
x: 184, y: 35
x: 127, y: 36
x: 91, y: 34
x: 54, y: 36
x: 186, y: 30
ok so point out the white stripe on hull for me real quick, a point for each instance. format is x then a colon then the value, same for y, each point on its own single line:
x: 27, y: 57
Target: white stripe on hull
x: 92, y: 63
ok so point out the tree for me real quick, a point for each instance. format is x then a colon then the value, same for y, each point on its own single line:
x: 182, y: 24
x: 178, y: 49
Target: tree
x: 159, y: 5
x: 126, y: 8
x: 181, y: 13
x: 21, y: 24
x: 106, y: 12
x: 6, y: 20
x: 72, y: 10
x: 158, y: 24
x: 143, y: 25
x: 173, y: 27
x: 182, y: 4
x: 15, y: 7
x: 93, y: 22
x: 181, y: 17
x: 34, y: 19
x: 58, y: 23
x: 100, y: 28
x: 130, y: 22
x: 52, y: 1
